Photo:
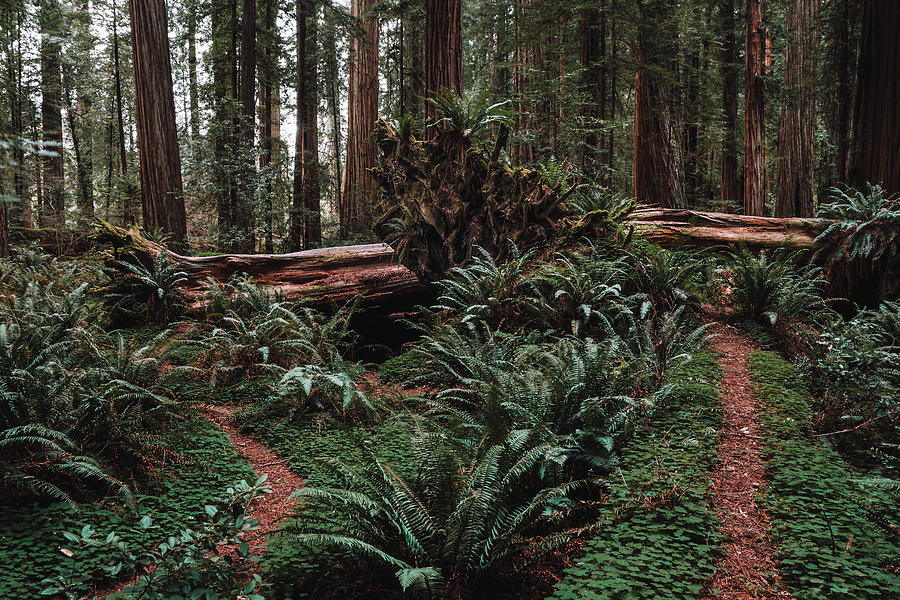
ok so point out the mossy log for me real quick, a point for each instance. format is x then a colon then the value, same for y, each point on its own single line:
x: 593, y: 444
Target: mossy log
x: 669, y: 227
x: 319, y: 278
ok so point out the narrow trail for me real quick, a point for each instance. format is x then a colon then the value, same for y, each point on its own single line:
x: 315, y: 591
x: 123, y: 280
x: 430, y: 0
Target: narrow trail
x: 270, y: 510
x: 747, y: 567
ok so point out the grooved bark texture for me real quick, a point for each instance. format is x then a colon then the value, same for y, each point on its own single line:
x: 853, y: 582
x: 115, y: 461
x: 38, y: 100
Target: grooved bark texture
x: 362, y: 102
x: 754, y: 115
x: 242, y: 212
x: 794, y: 187
x: 51, y: 112
x: 443, y: 47
x: 730, y: 187
x: 658, y: 168
x: 162, y: 199
x: 876, y: 132
x: 593, y: 53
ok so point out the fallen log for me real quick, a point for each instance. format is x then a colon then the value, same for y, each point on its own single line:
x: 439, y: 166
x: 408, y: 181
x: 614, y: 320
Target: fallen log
x: 332, y: 276
x: 319, y: 278
x: 670, y: 227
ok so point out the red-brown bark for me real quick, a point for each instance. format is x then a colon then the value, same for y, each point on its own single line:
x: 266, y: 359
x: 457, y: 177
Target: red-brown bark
x: 161, y: 188
x: 794, y: 186
x: 754, y: 114
x: 362, y: 102
x: 876, y: 131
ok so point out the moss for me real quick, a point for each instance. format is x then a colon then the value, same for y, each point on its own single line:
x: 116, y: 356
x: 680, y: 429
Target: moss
x: 833, y: 536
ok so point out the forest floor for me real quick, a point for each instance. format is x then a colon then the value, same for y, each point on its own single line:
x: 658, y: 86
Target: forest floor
x: 747, y: 566
x: 271, y: 509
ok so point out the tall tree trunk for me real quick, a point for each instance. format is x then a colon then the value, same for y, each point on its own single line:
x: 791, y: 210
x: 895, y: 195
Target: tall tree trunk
x: 82, y: 171
x: 413, y: 88
x: 83, y: 118
x: 794, y: 187
x: 443, y: 49
x: 266, y: 139
x: 362, y: 103
x: 843, y: 98
x: 127, y: 214
x: 730, y: 191
x: 593, y: 53
x: 51, y: 114
x: 193, y: 92
x: 312, y: 194
x: 162, y: 199
x: 221, y: 128
x: 295, y: 230
x: 242, y: 214
x: 754, y: 112
x: 658, y: 172
x: 334, y: 108
x: 19, y: 212
x: 876, y: 124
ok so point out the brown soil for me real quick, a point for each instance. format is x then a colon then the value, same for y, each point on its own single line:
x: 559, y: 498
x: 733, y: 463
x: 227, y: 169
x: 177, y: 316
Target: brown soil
x: 748, y: 567
x: 270, y: 510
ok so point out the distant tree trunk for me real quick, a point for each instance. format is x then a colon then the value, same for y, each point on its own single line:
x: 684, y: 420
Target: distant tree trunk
x: 51, y: 114
x: 794, y: 187
x: 266, y: 139
x: 82, y: 170
x: 83, y: 120
x: 754, y: 113
x: 242, y: 213
x: 334, y: 107
x: 312, y: 214
x: 127, y: 215
x: 843, y: 95
x: 876, y: 125
x: 21, y: 211
x: 362, y: 103
x: 443, y: 49
x: 162, y: 199
x: 658, y: 171
x: 593, y: 53
x: 193, y: 92
x: 413, y: 87
x: 221, y: 127
x: 295, y: 228
x: 730, y: 187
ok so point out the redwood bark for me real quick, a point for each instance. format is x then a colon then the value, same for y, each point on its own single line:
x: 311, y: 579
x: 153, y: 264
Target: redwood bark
x: 794, y: 187
x: 242, y: 213
x: 593, y: 52
x: 754, y: 114
x: 51, y: 114
x: 443, y: 48
x: 362, y: 103
x: 193, y: 93
x: 658, y: 168
x: 295, y: 231
x: 876, y: 124
x: 312, y: 215
x: 730, y: 186
x: 162, y: 199
x: 267, y: 118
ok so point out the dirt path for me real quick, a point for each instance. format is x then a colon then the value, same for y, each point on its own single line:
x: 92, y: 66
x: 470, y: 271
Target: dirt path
x: 747, y: 568
x: 270, y: 510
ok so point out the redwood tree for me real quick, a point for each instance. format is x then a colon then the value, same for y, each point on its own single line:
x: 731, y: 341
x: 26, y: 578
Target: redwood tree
x: 362, y: 106
x: 51, y: 113
x: 754, y: 115
x: 242, y: 211
x: 162, y: 198
x: 593, y: 76
x: 443, y: 48
x: 794, y: 188
x: 876, y: 124
x: 730, y: 188
x: 658, y: 173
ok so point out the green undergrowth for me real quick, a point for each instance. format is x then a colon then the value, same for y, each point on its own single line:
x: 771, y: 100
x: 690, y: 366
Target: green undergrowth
x: 659, y: 534
x: 31, y: 534
x: 836, y: 538
x: 300, y: 572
